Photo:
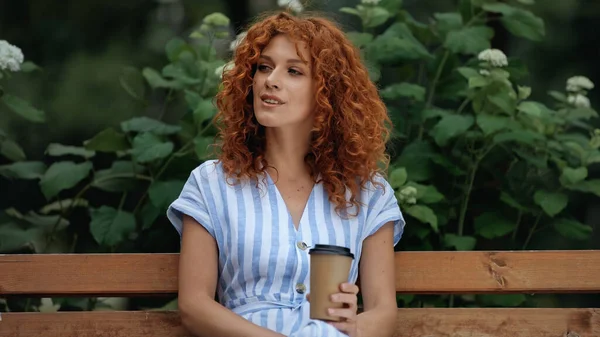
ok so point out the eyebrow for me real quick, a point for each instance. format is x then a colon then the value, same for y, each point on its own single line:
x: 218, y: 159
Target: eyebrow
x: 268, y: 58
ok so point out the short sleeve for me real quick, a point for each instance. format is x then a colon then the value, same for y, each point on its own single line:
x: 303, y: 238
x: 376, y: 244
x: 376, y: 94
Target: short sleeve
x: 192, y: 202
x: 383, y: 208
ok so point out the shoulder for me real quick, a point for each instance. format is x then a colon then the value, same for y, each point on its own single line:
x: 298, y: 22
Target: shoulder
x: 208, y: 170
x: 377, y: 186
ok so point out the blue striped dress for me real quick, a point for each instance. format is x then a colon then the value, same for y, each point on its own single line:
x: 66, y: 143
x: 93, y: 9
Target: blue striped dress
x: 263, y: 259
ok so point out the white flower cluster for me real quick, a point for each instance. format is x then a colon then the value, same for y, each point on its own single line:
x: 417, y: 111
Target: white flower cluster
x: 11, y: 57
x: 370, y: 2
x: 494, y: 56
x: 577, y: 87
x: 579, y: 83
x: 408, y: 195
x: 579, y: 100
x: 294, y: 5
x: 238, y: 39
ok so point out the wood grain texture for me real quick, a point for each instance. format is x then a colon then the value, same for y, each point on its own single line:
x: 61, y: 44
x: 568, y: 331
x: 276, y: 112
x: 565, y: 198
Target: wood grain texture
x: 502, y: 322
x: 422, y: 322
x: 416, y: 272
x: 498, y: 272
x: 93, y: 324
x: 88, y: 274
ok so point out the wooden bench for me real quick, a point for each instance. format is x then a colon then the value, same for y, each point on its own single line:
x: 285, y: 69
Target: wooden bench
x: 478, y: 272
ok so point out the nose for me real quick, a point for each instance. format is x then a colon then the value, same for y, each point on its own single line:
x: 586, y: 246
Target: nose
x: 272, y: 82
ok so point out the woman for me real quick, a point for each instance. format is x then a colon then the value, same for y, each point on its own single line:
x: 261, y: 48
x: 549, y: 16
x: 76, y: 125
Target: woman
x: 302, y: 139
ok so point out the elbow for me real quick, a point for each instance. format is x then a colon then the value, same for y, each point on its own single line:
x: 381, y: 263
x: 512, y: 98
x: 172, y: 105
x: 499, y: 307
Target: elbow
x: 185, y: 315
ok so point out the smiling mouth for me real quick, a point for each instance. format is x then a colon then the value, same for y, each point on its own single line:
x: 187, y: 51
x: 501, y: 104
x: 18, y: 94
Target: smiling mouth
x: 272, y: 101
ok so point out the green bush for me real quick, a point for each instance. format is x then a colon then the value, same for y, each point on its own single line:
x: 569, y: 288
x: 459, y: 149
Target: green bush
x: 476, y: 162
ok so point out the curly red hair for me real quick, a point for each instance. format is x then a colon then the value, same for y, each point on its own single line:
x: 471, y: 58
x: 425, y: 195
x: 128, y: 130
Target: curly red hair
x: 351, y: 121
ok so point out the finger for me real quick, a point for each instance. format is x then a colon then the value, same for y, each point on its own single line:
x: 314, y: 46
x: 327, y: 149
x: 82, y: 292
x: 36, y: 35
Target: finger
x: 308, y: 297
x: 349, y: 288
x: 344, y: 313
x: 349, y: 299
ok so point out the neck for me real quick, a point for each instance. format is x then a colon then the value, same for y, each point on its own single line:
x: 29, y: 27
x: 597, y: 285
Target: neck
x: 285, y: 150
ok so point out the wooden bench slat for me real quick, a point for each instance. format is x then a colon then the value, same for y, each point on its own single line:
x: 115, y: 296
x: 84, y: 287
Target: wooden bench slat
x: 498, y: 322
x: 411, y: 322
x: 88, y: 274
x: 416, y: 273
x: 498, y: 272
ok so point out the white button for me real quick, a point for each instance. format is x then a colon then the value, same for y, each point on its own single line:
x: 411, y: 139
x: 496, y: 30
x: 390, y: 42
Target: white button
x: 301, y: 245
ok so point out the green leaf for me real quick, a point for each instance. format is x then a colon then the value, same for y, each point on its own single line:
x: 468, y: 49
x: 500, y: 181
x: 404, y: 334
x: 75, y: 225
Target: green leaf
x: 449, y: 127
x: 120, y: 177
x: 28, y: 66
x: 63, y: 175
x: 110, y: 226
x: 524, y: 92
x: 57, y: 150
x: 156, y: 80
x: 467, y: 72
x: 349, y: 10
x: 375, y: 16
x: 174, y: 47
x: 147, y: 147
x: 205, y: 110
x: 492, y: 124
x: 581, y: 113
x: 448, y: 21
x: 60, y: 205
x: 216, y: 19
x: 504, y: 101
x: 202, y: 145
x: 522, y: 136
x: 469, y: 40
x: 427, y: 194
x: 559, y: 96
x: 534, y: 109
x: 510, y: 201
x: 416, y: 158
x: 492, y: 225
x: 12, y: 150
x: 13, y: 237
x: 527, y: 2
x: 572, y: 229
x: 132, y: 80
x: 588, y: 186
x: 146, y: 124
x: 572, y: 176
x: 518, y: 21
x: 163, y: 193
x: 23, y: 170
x: 551, y: 202
x: 398, y: 177
x: 461, y: 243
x: 434, y: 112
x: 398, y: 90
x: 22, y: 108
x: 359, y: 39
x: 393, y: 49
x: 108, y: 140
x: 423, y: 214
x: 393, y: 6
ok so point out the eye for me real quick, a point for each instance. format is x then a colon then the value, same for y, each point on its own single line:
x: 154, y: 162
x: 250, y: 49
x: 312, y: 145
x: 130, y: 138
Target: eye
x: 294, y: 72
x: 263, y: 67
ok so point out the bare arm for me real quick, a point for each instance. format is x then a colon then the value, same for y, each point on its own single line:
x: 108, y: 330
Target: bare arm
x: 198, y: 270
x: 377, y: 285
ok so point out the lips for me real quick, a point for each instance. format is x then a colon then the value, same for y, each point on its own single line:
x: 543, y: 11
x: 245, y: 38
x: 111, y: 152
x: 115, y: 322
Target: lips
x: 271, y: 99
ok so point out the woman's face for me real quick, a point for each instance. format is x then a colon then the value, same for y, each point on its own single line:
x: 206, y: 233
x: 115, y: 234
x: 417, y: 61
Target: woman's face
x: 283, y: 87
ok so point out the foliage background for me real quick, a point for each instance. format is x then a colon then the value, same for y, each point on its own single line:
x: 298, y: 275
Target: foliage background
x: 92, y: 54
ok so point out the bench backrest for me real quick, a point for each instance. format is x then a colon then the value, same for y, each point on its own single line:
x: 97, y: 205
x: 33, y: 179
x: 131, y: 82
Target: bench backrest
x: 481, y: 272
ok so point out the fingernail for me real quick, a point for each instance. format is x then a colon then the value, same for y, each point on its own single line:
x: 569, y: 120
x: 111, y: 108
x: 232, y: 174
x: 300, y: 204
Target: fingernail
x: 330, y: 311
